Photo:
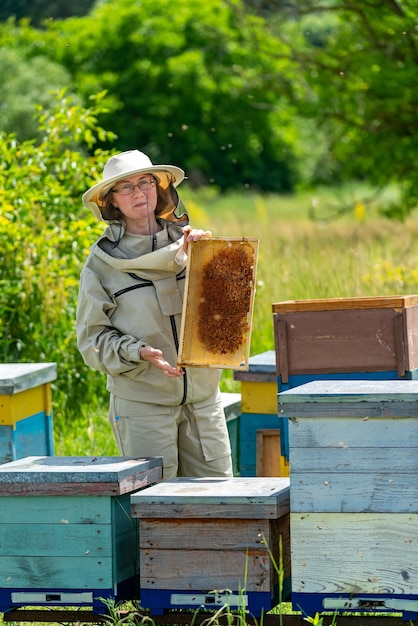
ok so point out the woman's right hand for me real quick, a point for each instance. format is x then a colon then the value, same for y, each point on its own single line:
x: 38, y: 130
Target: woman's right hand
x: 155, y: 357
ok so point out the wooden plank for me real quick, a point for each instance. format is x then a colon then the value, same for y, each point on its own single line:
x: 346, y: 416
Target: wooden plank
x: 78, y: 475
x: 336, y: 304
x: 206, y: 569
x: 351, y: 493
x: 210, y: 497
x: 55, y: 510
x: 218, y: 303
x: 410, y: 329
x: 354, y: 553
x: 363, y: 432
x: 340, y: 341
x: 372, y: 460
x: 268, y: 452
x: 80, y: 540
x: 204, y: 534
x: 56, y: 572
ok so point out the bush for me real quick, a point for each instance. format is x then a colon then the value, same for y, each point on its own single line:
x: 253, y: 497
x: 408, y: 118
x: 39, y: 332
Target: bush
x: 45, y: 239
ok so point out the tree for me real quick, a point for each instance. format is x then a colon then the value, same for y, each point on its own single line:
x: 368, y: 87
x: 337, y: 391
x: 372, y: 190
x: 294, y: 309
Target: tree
x: 39, y: 10
x: 27, y: 83
x: 359, y: 61
x: 45, y: 238
x: 185, y: 85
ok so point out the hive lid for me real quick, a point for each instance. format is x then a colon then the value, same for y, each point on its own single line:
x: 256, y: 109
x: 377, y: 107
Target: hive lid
x: 367, y: 398
x: 37, y: 475
x: 335, y: 304
x: 16, y: 377
x: 245, y: 497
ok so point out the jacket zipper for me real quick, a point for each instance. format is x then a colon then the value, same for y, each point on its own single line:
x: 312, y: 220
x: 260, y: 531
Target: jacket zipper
x: 176, y: 343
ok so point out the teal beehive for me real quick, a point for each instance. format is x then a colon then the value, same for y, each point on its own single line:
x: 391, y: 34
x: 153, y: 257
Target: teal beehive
x: 67, y: 536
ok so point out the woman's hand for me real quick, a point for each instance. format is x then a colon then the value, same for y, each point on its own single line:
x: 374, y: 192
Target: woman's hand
x: 193, y: 234
x: 155, y: 357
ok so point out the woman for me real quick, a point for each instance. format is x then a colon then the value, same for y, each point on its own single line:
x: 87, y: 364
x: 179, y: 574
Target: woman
x: 129, y: 318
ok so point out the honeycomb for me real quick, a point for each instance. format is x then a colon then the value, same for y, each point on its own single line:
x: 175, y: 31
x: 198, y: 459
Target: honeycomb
x: 218, y: 305
x: 225, y: 298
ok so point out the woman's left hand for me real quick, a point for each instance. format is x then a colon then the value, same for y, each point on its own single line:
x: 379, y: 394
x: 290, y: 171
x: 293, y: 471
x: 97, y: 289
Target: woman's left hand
x: 194, y: 234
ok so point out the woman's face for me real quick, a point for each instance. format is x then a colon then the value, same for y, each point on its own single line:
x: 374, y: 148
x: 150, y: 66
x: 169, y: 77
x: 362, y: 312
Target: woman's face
x: 136, y: 198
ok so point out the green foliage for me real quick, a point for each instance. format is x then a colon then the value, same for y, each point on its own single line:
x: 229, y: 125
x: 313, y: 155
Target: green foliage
x: 45, y: 240
x: 198, y: 84
x: 360, y: 65
x: 26, y: 83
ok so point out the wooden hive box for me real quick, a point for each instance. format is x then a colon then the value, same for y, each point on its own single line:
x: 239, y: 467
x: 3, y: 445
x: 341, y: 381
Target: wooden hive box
x: 371, y: 338
x: 354, y: 495
x: 26, y: 410
x: 218, y: 303
x: 258, y: 411
x: 373, y: 334
x: 201, y: 537
x: 67, y: 536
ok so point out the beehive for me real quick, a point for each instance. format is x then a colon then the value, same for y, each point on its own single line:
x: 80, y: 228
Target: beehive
x: 26, y: 410
x: 370, y: 338
x: 259, y: 413
x: 67, y: 537
x: 354, y: 495
x: 218, y: 303
x: 201, y: 537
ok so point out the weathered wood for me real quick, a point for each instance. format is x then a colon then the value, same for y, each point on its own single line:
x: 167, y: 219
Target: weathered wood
x: 219, y: 534
x: 345, y: 335
x: 250, y: 498
x: 35, y: 476
x: 354, y: 553
x: 206, y: 569
x: 268, y: 461
x: 338, y: 304
x: 203, y: 534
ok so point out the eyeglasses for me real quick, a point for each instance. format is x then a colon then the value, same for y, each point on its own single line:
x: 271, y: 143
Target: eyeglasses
x: 145, y: 184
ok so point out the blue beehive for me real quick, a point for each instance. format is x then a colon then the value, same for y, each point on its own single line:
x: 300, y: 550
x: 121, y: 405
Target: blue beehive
x: 258, y: 411
x: 67, y: 537
x: 354, y: 495
x: 26, y: 410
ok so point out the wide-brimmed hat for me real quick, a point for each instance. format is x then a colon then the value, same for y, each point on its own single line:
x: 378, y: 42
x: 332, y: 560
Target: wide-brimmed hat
x: 124, y: 165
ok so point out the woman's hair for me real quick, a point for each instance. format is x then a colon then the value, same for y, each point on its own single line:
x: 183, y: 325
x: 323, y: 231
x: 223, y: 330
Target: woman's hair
x: 167, y: 202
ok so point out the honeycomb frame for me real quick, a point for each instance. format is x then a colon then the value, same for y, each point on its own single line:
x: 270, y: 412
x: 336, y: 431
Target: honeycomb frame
x: 218, y: 303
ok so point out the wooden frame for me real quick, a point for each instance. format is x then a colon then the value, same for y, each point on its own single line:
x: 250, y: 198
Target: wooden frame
x: 218, y: 303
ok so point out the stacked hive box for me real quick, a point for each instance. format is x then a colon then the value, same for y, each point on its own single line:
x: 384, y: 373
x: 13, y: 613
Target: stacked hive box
x: 26, y: 410
x: 354, y: 495
x: 66, y: 532
x: 259, y: 414
x: 208, y: 542
x: 372, y: 338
